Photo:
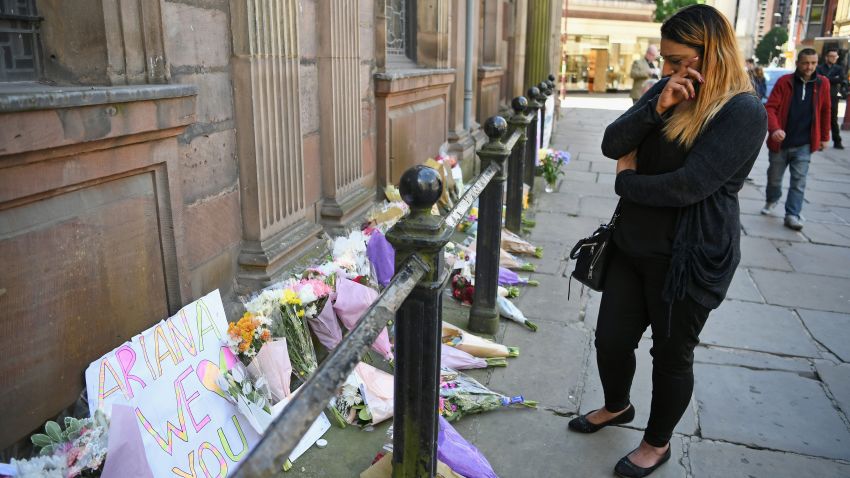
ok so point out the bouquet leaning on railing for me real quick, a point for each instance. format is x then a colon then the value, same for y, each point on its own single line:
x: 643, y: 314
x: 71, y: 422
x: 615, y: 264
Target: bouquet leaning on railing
x: 462, y: 395
x: 293, y: 326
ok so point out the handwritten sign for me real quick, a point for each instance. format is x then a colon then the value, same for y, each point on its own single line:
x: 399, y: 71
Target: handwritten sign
x: 167, y: 375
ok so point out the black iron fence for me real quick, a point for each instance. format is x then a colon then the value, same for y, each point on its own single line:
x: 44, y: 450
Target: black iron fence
x: 414, y: 297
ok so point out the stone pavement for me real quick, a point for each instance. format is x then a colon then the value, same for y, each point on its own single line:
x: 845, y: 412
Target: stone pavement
x: 772, y: 395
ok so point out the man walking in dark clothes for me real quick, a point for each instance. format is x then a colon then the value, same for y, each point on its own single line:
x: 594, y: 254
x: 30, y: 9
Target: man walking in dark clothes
x: 798, y: 114
x: 835, y: 74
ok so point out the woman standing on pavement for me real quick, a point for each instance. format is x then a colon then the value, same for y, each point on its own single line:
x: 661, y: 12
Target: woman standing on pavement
x: 683, y: 152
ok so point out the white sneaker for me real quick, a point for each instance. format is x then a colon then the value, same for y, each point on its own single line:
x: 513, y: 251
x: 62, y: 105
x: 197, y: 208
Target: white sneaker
x: 768, y: 208
x: 793, y: 222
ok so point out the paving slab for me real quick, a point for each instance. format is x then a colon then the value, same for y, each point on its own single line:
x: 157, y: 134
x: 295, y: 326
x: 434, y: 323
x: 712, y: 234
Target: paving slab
x: 528, y: 443
x: 769, y: 227
x: 743, y: 288
x: 750, y: 206
x: 602, y: 208
x: 827, y: 199
x: 762, y: 253
x: 641, y: 395
x: 710, y: 459
x: 831, y: 234
x: 842, y: 212
x: 577, y: 165
x: 549, y: 300
x: 795, y: 289
x: 591, y: 155
x: 769, y: 409
x: 758, y: 327
x: 752, y: 360
x: 586, y: 188
x: 818, y: 259
x: 568, y: 229
x: 831, y: 329
x: 814, y: 184
x: 563, y: 203
x: 751, y: 191
x: 836, y: 377
x: 553, y: 260
x: 550, y: 365
x: 609, y: 167
x: 585, y: 176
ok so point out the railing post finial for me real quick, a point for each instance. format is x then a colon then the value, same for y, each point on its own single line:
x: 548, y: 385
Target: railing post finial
x: 518, y: 122
x: 418, y: 327
x: 484, y: 317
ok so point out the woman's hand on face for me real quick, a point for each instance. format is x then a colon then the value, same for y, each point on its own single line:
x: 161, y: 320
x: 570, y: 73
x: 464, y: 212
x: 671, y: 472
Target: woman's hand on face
x: 628, y: 161
x: 680, y: 86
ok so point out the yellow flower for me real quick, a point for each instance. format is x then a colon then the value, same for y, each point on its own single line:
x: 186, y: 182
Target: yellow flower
x: 300, y: 313
x: 290, y: 297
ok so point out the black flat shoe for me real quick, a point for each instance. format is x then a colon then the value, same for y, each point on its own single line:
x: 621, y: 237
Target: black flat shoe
x: 582, y: 425
x: 626, y: 469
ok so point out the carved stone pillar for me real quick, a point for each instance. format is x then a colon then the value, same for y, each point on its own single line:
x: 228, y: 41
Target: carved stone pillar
x: 461, y: 143
x: 271, y: 173
x: 432, y: 35
x: 339, y: 101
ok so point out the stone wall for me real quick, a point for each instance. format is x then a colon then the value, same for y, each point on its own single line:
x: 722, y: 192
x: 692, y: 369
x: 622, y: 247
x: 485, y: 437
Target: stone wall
x: 198, y: 49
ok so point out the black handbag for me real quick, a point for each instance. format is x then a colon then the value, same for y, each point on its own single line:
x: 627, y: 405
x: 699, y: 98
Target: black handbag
x: 591, y: 254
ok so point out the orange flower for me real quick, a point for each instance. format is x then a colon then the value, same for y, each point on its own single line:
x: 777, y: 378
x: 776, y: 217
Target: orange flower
x: 266, y: 335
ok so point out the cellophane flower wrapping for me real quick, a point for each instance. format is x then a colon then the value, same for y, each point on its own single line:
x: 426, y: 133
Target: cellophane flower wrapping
x: 293, y: 327
x: 252, y: 398
x: 458, y: 359
x: 377, y: 390
x: 382, y: 256
x: 462, y: 395
x: 126, y: 452
x: 460, y: 455
x: 326, y: 326
x: 246, y: 336
x: 517, y: 245
x: 352, y: 301
x: 472, y: 344
x: 272, y: 363
x: 508, y: 310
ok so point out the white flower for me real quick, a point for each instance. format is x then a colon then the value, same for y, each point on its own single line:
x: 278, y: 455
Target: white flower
x: 237, y: 373
x: 311, y: 311
x: 246, y: 387
x: 306, y: 294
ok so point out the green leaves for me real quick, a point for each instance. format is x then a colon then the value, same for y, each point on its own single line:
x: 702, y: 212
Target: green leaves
x: 665, y: 9
x: 54, y: 431
x: 41, y: 440
x: 769, y: 44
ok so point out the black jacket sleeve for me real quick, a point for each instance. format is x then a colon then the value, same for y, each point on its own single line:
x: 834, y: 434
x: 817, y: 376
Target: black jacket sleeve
x: 726, y: 144
x: 626, y: 133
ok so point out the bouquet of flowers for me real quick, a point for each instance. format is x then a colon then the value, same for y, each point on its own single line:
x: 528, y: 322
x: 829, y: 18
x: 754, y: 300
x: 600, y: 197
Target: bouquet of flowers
x: 462, y: 288
x: 509, y: 311
x: 248, y: 335
x: 251, y: 398
x: 510, y: 261
x: 366, y: 397
x: 78, y: 450
x: 472, y: 344
x: 461, y: 395
x: 551, y: 161
x: 517, y: 245
x: 293, y: 326
x: 459, y: 360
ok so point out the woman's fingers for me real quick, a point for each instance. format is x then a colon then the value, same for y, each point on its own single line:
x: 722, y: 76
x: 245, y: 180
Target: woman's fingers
x: 695, y: 74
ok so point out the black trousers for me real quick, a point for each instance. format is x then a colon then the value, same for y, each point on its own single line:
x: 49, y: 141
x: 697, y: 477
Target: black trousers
x: 836, y: 127
x: 631, y: 302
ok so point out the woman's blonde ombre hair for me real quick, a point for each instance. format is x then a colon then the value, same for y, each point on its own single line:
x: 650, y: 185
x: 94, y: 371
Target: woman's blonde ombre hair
x: 706, y: 30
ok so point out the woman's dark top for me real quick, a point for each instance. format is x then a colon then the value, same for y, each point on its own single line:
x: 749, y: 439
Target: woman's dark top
x: 683, y: 205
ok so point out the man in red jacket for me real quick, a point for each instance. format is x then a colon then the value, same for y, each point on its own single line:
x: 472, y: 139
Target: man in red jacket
x: 798, y: 118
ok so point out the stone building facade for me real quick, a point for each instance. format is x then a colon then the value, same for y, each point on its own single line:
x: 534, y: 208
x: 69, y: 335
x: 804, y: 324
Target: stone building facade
x: 154, y: 150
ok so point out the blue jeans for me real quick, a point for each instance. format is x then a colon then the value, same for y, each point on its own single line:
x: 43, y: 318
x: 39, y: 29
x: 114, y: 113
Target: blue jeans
x: 798, y: 159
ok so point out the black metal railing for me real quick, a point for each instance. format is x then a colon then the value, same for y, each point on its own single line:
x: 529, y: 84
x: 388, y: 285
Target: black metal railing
x: 414, y: 298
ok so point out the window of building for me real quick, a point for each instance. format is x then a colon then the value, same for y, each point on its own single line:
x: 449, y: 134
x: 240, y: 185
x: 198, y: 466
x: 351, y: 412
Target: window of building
x: 814, y: 23
x: 19, y: 41
x: 401, y: 30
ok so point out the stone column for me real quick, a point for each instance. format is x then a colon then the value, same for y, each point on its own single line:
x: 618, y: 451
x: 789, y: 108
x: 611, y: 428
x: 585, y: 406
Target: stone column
x: 461, y: 144
x: 339, y: 103
x: 537, y: 42
x: 271, y: 173
x: 432, y: 34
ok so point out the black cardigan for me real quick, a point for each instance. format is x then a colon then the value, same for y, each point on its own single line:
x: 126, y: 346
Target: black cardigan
x: 706, y: 247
